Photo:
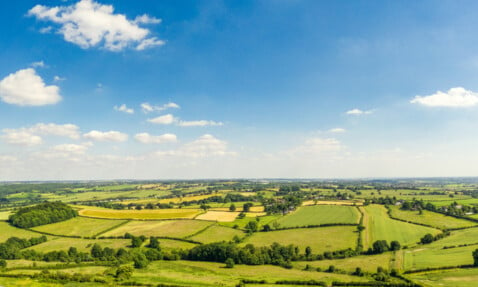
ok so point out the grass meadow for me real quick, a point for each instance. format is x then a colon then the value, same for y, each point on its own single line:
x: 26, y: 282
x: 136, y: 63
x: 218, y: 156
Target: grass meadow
x: 80, y: 226
x: 431, y: 218
x: 320, y: 214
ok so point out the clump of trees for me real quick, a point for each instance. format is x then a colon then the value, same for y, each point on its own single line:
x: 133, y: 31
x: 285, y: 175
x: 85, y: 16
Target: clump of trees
x: 40, y: 214
x: 381, y: 246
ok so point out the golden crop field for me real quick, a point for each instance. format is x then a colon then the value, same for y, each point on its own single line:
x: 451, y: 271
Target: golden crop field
x: 139, y: 214
x: 221, y: 216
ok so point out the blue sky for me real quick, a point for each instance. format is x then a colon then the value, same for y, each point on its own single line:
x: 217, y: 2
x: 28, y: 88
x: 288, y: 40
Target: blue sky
x: 214, y: 89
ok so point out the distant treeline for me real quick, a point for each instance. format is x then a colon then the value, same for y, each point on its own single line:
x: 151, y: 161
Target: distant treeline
x: 40, y: 214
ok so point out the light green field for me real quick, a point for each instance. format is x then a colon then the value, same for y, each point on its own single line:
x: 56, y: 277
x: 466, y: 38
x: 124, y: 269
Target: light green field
x: 175, y: 244
x: 367, y: 263
x: 4, y: 215
x: 62, y: 243
x: 187, y: 273
x: 79, y: 226
x: 466, y: 201
x: 426, y: 257
x: 167, y: 228
x: 320, y: 214
x: 453, y: 277
x: 7, y: 231
x: 457, y: 237
x: 241, y: 223
x: 379, y: 226
x: 217, y: 233
x: 319, y: 239
x: 27, y: 282
x: 28, y: 263
x: 431, y: 218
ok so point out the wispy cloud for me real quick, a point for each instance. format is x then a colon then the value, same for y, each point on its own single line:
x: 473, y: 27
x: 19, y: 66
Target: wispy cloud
x: 110, y: 136
x: 148, y: 108
x: 358, y: 112
x: 123, y: 108
x: 146, y: 138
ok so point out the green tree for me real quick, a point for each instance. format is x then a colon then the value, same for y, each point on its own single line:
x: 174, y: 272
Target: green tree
x: 252, y: 226
x: 475, y: 257
x: 395, y: 245
x: 232, y: 207
x: 136, y: 242
x: 124, y: 272
x: 3, y: 263
x: 229, y: 263
x: 153, y: 242
x: 428, y: 238
x: 247, y: 207
x: 308, y: 252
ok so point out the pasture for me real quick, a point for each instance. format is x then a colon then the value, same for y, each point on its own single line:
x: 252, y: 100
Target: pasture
x: 379, y: 226
x: 217, y: 233
x: 320, y: 239
x: 166, y: 228
x: 188, y: 273
x: 424, y: 257
x: 7, y: 231
x: 320, y: 214
x: 452, y: 277
x: 430, y: 218
x: 4, y: 215
x: 139, y: 214
x: 80, y: 226
x: 62, y: 243
x: 367, y: 263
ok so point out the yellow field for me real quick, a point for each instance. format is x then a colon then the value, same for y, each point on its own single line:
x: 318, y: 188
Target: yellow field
x: 4, y: 215
x: 221, y: 216
x: 166, y: 228
x: 139, y: 214
x: 337, y: 202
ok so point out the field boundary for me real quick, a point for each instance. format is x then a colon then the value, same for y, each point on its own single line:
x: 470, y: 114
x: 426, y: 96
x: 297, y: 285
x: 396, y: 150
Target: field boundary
x: 111, y: 228
x: 199, y: 231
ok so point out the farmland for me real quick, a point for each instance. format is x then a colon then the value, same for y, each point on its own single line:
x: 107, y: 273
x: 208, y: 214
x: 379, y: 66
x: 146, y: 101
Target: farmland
x: 319, y: 232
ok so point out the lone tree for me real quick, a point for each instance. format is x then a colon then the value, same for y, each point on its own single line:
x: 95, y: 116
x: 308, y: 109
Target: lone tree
x: 428, y: 238
x: 229, y: 263
x: 475, y: 257
x: 232, y: 207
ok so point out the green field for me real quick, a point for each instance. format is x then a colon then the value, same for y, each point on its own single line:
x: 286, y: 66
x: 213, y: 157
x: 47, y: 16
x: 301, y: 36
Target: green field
x: 458, y: 237
x: 7, y: 231
x: 320, y: 214
x: 453, y: 277
x: 367, y: 263
x: 167, y: 228
x: 80, y: 226
x: 379, y: 226
x: 431, y: 218
x: 62, y: 243
x: 4, y: 215
x: 427, y: 257
x: 187, y: 273
x: 217, y: 233
x: 320, y: 239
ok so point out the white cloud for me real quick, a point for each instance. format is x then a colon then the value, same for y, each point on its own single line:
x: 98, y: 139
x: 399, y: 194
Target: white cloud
x: 26, y: 88
x: 147, y: 108
x: 146, y: 19
x: 163, y: 120
x: 200, y: 123
x: 150, y: 139
x: 58, y: 79
x: 71, y: 148
x: 39, y: 64
x: 337, y: 130
x: 21, y: 137
x: 91, y: 24
x: 455, y: 98
x: 66, y: 130
x: 112, y: 136
x: 358, y: 112
x: 205, y: 146
x: 123, y: 108
x: 46, y: 30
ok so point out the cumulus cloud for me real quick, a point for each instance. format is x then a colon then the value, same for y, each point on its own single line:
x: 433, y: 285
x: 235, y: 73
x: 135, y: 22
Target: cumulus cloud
x: 111, y: 136
x: 26, y: 88
x: 337, y: 130
x: 91, y: 24
x: 58, y: 79
x: 455, y: 98
x: 200, y: 123
x: 71, y: 148
x: 205, y: 146
x: 66, y: 130
x: 21, y: 137
x: 147, y: 108
x: 123, y: 108
x: 29, y: 136
x: 150, y: 139
x: 163, y: 120
x: 358, y: 112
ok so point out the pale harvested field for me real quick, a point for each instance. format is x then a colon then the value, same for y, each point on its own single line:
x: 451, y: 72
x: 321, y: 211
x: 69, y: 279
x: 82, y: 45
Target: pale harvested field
x: 337, y: 202
x: 220, y: 216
